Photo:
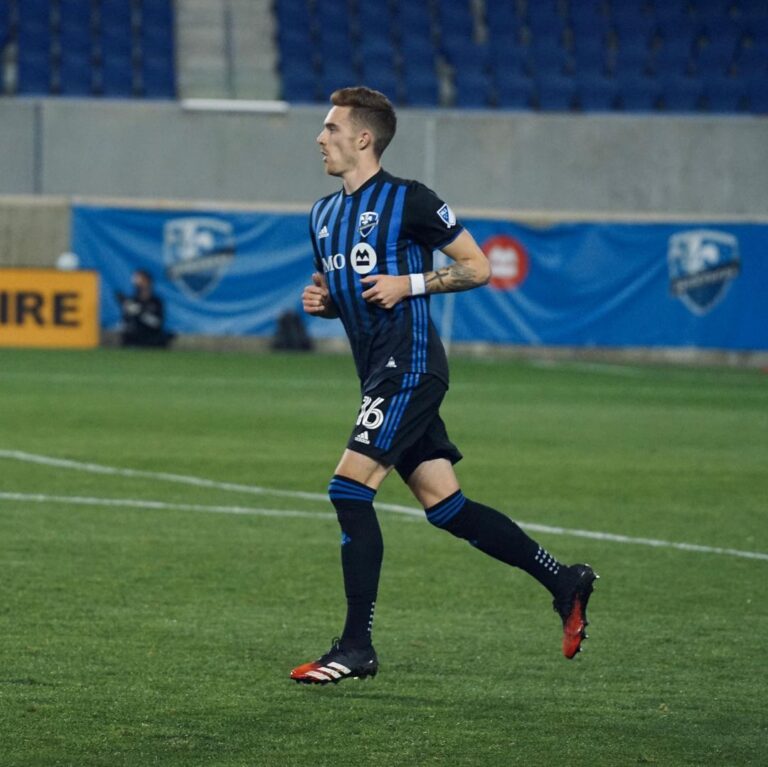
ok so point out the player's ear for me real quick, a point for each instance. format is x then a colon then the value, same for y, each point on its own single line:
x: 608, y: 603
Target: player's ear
x: 364, y: 140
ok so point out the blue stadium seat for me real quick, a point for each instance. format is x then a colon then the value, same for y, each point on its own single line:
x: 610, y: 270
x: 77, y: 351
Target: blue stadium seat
x: 555, y: 93
x: 725, y: 94
x: 632, y: 25
x: 675, y: 55
x: 455, y: 17
x: 752, y: 57
x: 158, y: 75
x: 633, y: 55
x: 157, y: 13
x: 420, y: 87
x: 76, y: 36
x: 543, y: 17
x: 757, y: 94
x: 462, y: 52
x: 34, y: 73
x: 637, y: 93
x: 590, y: 55
x: 502, y: 22
x: 337, y: 73
x: 75, y: 74
x: 117, y: 76
x: 515, y: 92
x: 595, y: 92
x: 414, y: 18
x: 299, y: 85
x: 294, y: 38
x: 34, y: 28
x: 375, y: 48
x: 715, y: 57
x: 671, y: 16
x: 116, y: 13
x: 508, y: 60
x: 473, y: 88
x: 333, y: 19
x: 680, y: 93
x: 374, y: 19
x: 335, y: 43
x: 292, y: 15
x: 588, y: 19
x: 116, y: 41
x: 5, y: 22
x: 754, y: 20
x: 384, y: 80
x: 157, y: 31
x: 547, y: 55
x: 416, y: 49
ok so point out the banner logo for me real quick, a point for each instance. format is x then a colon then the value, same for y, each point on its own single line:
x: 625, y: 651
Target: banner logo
x: 702, y: 264
x: 197, y: 252
x: 509, y: 261
x: 368, y: 222
x: 363, y: 258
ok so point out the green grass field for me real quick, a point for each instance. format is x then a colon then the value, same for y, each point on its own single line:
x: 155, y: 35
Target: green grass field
x: 150, y: 618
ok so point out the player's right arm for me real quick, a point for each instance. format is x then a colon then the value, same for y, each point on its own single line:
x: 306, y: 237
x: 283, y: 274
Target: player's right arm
x: 316, y: 299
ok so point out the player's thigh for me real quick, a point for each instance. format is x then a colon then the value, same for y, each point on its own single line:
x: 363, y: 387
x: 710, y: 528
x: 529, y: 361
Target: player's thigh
x: 362, y: 468
x: 432, y: 481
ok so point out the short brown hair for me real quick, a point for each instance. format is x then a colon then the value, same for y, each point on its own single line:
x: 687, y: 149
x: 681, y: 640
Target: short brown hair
x: 370, y: 109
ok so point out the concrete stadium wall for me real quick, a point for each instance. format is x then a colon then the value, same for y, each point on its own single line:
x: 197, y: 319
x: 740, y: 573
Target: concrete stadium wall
x: 701, y: 165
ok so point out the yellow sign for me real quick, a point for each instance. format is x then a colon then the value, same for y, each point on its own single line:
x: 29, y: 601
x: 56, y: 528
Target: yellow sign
x: 49, y: 308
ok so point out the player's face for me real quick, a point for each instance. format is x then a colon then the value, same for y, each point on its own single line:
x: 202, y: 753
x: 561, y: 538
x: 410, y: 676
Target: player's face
x: 338, y: 142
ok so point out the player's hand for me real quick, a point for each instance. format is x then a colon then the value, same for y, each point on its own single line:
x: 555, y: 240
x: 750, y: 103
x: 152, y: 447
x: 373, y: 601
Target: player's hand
x: 316, y: 299
x: 386, y: 290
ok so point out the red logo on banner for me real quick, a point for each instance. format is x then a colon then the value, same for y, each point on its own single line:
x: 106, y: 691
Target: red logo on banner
x: 509, y: 261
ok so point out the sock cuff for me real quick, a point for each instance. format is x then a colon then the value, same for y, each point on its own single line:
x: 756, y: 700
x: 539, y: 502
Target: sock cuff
x: 345, y: 489
x: 444, y: 511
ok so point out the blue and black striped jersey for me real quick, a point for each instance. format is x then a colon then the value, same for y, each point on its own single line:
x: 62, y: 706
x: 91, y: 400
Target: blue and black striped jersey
x: 388, y: 226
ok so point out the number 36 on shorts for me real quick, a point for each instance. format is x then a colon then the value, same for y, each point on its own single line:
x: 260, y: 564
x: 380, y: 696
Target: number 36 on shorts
x: 370, y: 416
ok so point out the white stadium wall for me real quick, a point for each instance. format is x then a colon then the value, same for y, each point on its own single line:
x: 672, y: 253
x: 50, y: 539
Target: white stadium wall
x: 703, y: 165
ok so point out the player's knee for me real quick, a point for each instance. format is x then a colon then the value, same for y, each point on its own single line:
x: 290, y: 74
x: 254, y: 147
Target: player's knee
x: 349, y: 497
x: 450, y: 515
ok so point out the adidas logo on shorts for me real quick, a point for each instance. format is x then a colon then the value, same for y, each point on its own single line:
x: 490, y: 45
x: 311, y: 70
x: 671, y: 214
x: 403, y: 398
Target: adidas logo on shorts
x: 363, y: 437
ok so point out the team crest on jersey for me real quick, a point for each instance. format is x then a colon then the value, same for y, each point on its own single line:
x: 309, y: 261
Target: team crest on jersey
x: 363, y: 258
x: 447, y: 216
x: 368, y: 222
x: 702, y: 264
x: 197, y: 252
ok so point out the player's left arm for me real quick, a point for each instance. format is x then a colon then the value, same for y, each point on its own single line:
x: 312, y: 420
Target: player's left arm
x: 470, y: 269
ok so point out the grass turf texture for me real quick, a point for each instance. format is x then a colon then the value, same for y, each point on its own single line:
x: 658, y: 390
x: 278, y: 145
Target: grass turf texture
x: 138, y: 637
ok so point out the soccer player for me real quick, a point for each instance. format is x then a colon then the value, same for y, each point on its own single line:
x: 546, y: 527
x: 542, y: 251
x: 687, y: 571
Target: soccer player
x: 373, y: 242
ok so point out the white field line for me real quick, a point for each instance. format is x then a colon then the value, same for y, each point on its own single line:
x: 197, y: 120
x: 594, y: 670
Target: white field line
x: 93, y: 468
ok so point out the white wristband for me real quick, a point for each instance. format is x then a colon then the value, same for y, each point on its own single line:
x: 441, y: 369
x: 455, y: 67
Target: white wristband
x: 418, y: 286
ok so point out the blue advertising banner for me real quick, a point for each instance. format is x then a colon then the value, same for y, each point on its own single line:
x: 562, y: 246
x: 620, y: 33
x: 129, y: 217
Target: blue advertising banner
x: 217, y: 273
x: 570, y: 284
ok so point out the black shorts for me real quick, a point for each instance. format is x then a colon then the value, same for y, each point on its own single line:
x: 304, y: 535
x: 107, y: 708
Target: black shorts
x: 399, y: 423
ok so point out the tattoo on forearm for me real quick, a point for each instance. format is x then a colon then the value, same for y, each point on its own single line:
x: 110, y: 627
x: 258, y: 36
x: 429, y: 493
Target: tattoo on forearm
x: 452, y: 278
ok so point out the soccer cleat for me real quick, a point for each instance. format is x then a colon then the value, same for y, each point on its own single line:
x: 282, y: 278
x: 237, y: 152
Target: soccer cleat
x: 338, y: 664
x: 572, y: 607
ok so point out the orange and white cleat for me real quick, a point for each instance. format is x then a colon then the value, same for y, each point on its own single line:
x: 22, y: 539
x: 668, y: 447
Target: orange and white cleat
x: 572, y: 607
x: 338, y: 664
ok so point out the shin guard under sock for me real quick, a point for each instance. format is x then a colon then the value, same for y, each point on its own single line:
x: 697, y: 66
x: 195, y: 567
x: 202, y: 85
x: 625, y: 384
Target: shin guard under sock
x: 362, y: 550
x: 495, y: 534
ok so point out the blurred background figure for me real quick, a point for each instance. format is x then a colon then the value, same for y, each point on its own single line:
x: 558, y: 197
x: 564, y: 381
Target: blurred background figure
x: 143, y: 314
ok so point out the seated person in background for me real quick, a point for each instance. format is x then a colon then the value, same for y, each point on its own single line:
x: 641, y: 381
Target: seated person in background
x: 142, y: 314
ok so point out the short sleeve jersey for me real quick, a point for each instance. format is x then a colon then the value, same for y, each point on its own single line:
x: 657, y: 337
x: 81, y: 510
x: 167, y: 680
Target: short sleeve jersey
x: 388, y: 226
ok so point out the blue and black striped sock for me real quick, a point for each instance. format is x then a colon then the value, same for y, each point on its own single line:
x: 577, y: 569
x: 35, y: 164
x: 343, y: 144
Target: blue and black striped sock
x: 362, y: 550
x: 495, y: 534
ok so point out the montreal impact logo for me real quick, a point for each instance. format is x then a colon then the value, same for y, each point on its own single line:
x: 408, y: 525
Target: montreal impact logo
x: 702, y: 264
x: 197, y: 252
